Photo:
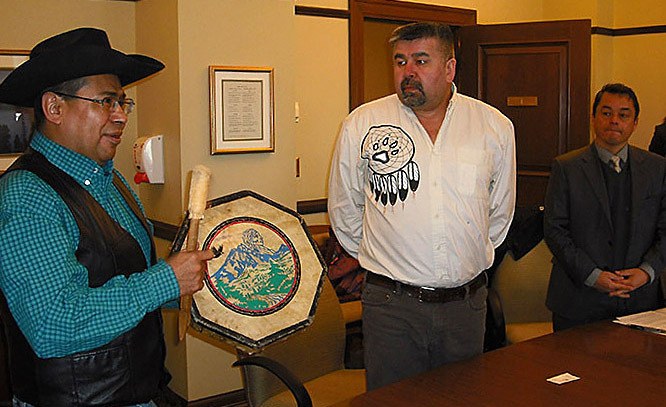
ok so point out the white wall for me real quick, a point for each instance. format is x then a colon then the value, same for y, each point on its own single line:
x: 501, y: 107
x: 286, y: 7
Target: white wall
x: 322, y: 92
x: 252, y: 33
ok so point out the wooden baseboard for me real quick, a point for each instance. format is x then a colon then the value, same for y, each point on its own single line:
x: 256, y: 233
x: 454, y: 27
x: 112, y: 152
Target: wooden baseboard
x: 232, y: 399
x: 170, y: 398
x: 164, y: 230
x: 312, y: 206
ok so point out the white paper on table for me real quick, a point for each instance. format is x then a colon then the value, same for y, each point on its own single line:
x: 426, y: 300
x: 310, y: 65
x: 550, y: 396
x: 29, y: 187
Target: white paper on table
x: 654, y: 321
x: 563, y: 378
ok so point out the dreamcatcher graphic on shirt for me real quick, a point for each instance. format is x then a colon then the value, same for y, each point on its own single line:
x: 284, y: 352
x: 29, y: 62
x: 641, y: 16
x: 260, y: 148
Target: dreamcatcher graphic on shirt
x: 389, y: 151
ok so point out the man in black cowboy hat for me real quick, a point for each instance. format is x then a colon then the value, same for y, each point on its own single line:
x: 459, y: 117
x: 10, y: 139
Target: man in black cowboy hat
x: 82, y: 318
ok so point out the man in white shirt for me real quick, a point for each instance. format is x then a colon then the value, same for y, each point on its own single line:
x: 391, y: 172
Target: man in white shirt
x: 421, y: 191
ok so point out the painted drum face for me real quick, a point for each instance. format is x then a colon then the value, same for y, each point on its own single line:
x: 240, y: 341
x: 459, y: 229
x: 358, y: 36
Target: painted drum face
x: 260, y: 271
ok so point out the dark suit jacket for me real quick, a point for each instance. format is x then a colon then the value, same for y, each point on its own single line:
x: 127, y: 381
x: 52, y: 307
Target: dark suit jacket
x: 578, y: 231
x: 658, y: 143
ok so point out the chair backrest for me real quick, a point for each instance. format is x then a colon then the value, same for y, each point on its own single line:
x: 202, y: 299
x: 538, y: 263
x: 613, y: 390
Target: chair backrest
x: 308, y: 354
x: 522, y: 285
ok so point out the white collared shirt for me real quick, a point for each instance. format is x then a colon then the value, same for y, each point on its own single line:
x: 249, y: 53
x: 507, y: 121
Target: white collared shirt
x: 422, y: 213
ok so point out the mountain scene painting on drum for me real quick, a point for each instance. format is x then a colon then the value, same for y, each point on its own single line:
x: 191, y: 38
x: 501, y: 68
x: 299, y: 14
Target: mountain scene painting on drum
x: 256, y: 279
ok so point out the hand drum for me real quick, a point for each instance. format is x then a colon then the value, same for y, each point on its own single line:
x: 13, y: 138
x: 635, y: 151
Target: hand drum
x: 265, y: 283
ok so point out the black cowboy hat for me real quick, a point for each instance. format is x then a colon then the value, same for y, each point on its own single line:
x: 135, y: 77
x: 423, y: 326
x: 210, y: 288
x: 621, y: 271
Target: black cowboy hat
x: 70, y: 55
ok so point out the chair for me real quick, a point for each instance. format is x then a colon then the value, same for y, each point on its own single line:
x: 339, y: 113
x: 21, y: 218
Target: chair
x: 314, y: 356
x: 521, y: 286
x: 351, y: 308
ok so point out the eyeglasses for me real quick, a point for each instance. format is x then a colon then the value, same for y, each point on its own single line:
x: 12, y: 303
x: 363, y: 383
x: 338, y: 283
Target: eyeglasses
x: 109, y: 103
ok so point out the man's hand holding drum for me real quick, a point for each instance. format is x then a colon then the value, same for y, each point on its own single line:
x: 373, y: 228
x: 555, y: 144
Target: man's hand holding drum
x: 189, y: 268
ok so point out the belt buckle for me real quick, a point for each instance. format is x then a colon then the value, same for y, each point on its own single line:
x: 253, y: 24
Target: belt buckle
x: 427, y: 294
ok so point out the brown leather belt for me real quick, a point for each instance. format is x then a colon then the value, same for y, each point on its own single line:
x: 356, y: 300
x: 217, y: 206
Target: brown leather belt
x: 428, y: 294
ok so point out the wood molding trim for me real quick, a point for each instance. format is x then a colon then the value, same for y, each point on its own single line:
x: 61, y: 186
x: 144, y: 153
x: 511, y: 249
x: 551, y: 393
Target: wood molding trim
x: 619, y: 32
x: 345, y: 14
x: 312, y: 206
x: 394, y: 10
x: 164, y: 231
x: 321, y: 12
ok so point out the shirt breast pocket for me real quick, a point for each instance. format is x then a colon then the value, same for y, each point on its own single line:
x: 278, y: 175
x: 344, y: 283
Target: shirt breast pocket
x: 473, y: 175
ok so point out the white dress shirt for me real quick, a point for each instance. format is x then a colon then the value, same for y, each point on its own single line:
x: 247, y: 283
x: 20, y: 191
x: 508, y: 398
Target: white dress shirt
x: 422, y: 213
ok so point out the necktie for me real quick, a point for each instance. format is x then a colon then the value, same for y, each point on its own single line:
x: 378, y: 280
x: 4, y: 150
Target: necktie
x: 614, y: 163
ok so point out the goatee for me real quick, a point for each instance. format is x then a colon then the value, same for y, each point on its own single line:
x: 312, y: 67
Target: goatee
x: 413, y: 97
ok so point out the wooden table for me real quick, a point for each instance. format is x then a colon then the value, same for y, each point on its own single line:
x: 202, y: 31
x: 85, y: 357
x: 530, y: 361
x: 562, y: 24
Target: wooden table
x: 617, y: 366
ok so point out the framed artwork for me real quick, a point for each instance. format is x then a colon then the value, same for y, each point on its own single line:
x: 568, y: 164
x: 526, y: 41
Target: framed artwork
x: 241, y: 110
x: 15, y: 122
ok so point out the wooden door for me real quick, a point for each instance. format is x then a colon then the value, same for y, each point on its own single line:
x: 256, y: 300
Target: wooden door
x: 537, y: 74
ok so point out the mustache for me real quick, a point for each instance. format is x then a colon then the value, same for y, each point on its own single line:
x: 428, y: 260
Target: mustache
x: 411, y: 82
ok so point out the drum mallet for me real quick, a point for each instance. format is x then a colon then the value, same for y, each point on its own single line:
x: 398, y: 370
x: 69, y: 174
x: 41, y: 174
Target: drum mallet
x: 197, y: 205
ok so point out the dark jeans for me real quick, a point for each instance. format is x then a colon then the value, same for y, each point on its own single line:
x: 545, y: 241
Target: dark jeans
x: 403, y: 337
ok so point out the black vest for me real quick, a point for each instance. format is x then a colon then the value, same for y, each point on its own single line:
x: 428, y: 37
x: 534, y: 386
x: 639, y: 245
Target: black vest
x: 618, y: 186
x: 127, y: 370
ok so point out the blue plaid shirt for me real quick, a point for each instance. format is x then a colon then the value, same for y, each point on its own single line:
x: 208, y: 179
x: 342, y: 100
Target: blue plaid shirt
x: 45, y: 286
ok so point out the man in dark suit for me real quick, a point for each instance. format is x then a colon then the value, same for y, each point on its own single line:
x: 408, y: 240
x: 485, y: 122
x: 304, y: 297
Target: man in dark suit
x: 606, y: 223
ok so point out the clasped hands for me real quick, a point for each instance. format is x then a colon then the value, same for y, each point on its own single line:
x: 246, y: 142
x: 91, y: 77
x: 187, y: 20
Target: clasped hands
x: 621, y: 282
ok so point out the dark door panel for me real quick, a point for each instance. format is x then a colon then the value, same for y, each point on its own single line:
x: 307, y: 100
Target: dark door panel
x: 538, y: 75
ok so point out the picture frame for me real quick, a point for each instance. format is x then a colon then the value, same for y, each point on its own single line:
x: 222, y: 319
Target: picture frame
x: 16, y: 123
x: 241, y: 109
